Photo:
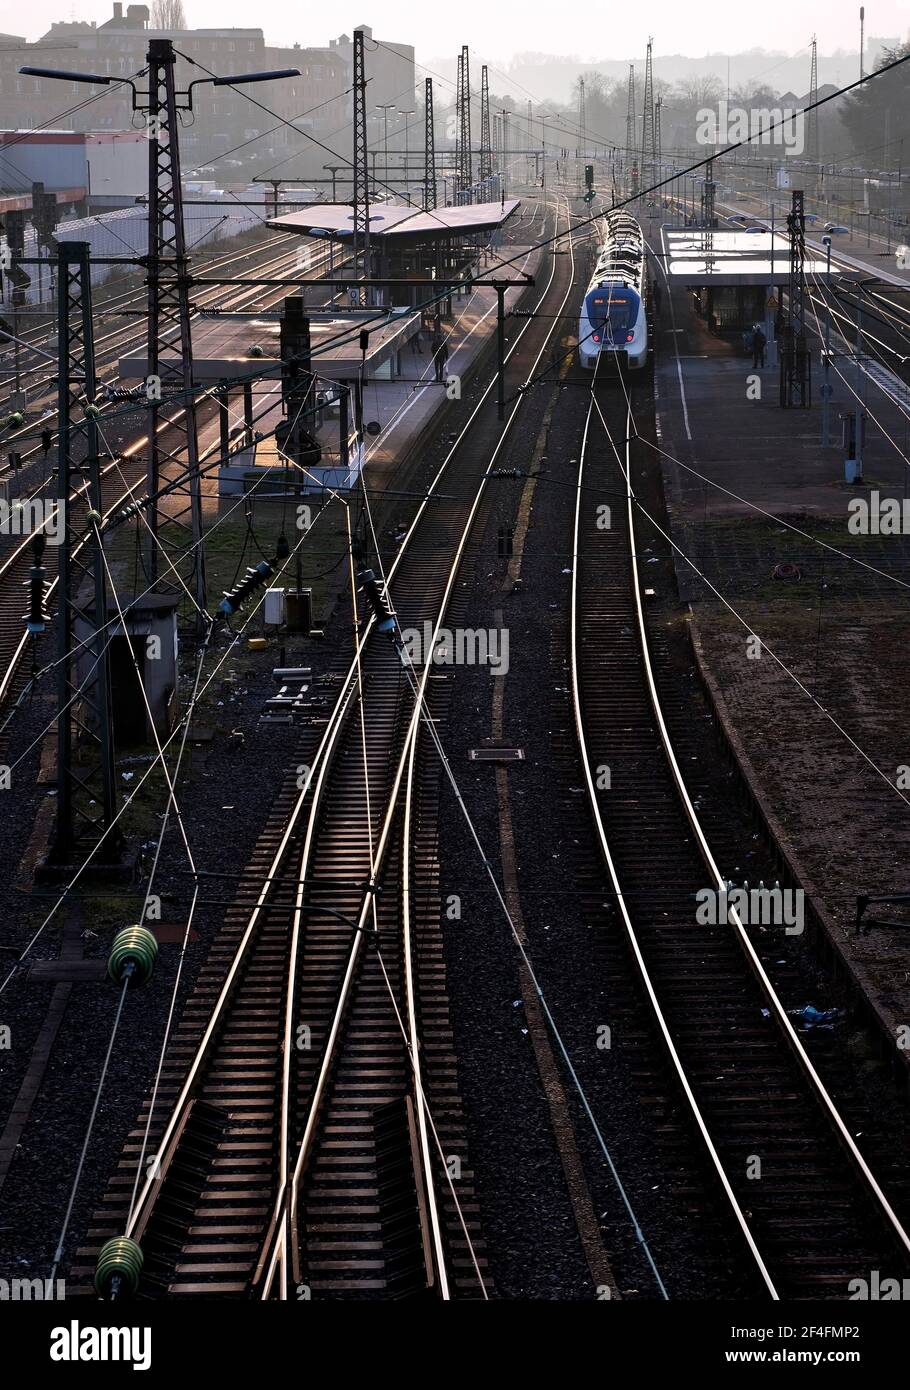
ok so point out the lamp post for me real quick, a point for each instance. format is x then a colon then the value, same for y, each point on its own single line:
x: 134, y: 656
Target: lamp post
x: 385, y: 109
x: 407, y: 186
x: 170, y: 357
x: 545, y: 116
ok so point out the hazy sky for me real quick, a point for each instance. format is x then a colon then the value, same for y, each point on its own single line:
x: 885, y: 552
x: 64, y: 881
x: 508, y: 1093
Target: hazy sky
x: 499, y: 30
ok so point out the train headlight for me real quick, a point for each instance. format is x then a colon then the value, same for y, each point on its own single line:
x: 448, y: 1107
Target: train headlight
x: 629, y: 337
x: 596, y: 337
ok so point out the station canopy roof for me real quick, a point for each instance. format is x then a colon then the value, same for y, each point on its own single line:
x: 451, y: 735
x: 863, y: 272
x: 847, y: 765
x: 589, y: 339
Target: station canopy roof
x: 392, y: 221
x: 697, y: 256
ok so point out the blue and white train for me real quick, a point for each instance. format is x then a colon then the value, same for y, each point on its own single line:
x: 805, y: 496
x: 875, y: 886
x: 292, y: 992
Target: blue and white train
x: 613, y: 319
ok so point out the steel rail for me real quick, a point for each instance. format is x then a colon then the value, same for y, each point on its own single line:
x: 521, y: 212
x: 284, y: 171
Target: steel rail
x: 144, y: 1205
x: 275, y: 1248
x: 767, y: 988
x: 790, y: 1034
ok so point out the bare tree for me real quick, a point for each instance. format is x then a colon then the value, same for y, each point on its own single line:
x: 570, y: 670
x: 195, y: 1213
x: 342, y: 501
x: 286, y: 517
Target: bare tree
x: 700, y: 90
x: 168, y: 14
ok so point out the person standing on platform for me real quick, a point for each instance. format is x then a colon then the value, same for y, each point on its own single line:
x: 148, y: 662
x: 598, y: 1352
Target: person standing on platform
x: 759, y: 342
x: 440, y: 355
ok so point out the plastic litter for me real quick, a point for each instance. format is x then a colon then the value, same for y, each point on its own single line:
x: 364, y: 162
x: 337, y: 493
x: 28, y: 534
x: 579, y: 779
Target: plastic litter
x: 810, y: 1017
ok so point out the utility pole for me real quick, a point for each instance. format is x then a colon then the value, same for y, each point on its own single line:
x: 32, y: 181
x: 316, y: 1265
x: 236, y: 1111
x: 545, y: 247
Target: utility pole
x: 464, y: 162
x: 361, y: 198
x: 862, y: 40
x: 459, y: 102
x: 429, y: 150
x: 15, y: 240
x: 86, y: 796
x: 170, y: 348
x: 407, y: 153
x: 859, y: 414
x: 385, y: 108
x: 794, y: 360
x: 580, y: 154
x: 710, y: 219
x: 813, y: 143
x: 647, y: 121
x: 486, y: 148
x: 630, y: 129
x: 500, y: 350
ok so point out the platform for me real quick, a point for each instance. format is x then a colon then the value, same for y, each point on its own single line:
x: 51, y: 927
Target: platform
x: 404, y: 406
x: 715, y: 423
x: 234, y: 346
x: 697, y: 257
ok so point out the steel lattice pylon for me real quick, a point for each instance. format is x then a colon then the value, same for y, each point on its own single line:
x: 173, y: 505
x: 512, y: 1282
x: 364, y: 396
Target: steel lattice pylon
x: 708, y: 204
x: 647, y: 121
x: 429, y: 147
x: 361, y: 198
x: 795, y: 381
x: 464, y: 161
x: 170, y: 348
x: 580, y: 154
x: 86, y: 796
x: 486, y: 144
x: 813, y: 143
x: 630, y: 129
x: 459, y: 99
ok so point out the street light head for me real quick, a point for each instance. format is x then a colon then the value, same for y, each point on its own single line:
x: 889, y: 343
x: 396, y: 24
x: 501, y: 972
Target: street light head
x: 62, y: 76
x: 235, y: 81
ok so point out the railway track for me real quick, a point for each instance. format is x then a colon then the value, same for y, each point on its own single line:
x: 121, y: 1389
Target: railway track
x: 308, y: 1116
x: 794, y: 1198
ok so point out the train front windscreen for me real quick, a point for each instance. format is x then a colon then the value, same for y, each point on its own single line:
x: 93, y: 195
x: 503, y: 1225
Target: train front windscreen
x: 612, y: 314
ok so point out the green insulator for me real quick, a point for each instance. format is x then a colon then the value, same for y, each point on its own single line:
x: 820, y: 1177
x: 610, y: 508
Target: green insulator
x: 120, y: 1260
x: 134, y: 950
x: 15, y: 420
x: 92, y: 412
x: 256, y: 351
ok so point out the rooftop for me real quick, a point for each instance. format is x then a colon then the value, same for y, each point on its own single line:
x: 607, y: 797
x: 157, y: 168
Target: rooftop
x: 697, y: 256
x: 389, y: 220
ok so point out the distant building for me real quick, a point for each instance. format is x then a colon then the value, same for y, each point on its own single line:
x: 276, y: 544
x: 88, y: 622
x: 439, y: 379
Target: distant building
x: 389, y: 68
x: 110, y: 167
x: 224, y: 118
